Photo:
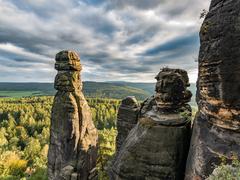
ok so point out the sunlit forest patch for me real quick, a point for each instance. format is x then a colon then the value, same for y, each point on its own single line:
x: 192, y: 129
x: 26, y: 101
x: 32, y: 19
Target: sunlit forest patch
x: 24, y: 135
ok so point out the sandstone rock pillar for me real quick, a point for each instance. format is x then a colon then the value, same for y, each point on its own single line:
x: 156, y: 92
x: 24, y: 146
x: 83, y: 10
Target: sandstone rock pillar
x: 73, y: 138
x: 126, y: 119
x: 157, y: 147
x: 216, y: 132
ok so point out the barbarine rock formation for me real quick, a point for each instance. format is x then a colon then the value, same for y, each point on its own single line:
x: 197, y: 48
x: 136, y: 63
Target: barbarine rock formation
x: 157, y: 147
x: 216, y: 131
x: 126, y: 119
x: 73, y: 138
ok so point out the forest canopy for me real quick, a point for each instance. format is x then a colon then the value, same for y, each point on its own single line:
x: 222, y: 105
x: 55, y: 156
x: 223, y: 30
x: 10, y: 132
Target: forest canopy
x: 24, y: 135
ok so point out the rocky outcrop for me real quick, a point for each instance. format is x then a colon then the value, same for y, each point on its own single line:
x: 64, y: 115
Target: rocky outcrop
x: 126, y: 119
x: 73, y: 138
x: 216, y: 132
x: 157, y: 147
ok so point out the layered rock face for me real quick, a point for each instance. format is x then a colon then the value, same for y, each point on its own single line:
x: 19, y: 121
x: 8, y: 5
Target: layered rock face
x: 157, y: 147
x: 73, y: 138
x: 216, y: 132
x: 126, y: 119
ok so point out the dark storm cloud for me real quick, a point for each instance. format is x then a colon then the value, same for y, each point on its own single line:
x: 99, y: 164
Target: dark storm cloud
x: 135, y: 39
x: 98, y: 58
x: 95, y: 2
x: 139, y: 4
x: 117, y: 39
x: 118, y: 4
x: 124, y: 67
x: 144, y: 34
x: 99, y: 24
x: 44, y: 9
x: 172, y: 58
x: 185, y: 44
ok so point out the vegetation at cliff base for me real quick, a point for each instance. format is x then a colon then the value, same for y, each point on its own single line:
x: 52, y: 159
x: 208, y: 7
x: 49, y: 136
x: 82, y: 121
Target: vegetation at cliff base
x: 24, y: 135
x: 224, y: 171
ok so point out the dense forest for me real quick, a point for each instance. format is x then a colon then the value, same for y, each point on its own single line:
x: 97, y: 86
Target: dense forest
x: 24, y: 135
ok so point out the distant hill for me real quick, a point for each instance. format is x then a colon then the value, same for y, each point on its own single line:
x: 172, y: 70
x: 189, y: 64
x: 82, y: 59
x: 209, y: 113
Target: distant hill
x: 116, y: 90
x: 45, y: 88
x: 148, y: 87
x: 90, y: 89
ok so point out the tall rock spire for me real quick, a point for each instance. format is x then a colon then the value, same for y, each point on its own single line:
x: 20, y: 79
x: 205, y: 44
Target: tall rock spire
x: 216, y: 132
x: 73, y: 138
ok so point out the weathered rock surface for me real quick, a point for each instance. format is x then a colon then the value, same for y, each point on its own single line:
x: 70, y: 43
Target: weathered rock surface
x: 157, y: 147
x: 73, y: 137
x: 216, y: 131
x: 126, y: 119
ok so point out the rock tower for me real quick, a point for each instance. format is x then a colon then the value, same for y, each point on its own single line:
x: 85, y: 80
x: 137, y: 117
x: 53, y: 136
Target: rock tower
x: 73, y: 138
x: 157, y: 147
x: 126, y: 119
x: 216, y: 131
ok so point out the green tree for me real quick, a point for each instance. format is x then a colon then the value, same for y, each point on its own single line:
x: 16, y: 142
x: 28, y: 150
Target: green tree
x: 32, y: 151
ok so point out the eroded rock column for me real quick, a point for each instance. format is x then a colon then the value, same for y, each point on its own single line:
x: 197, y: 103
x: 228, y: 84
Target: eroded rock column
x: 216, y: 132
x: 126, y: 119
x: 73, y: 138
x: 157, y: 147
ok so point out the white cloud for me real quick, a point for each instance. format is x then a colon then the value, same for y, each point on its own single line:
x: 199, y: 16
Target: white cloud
x: 10, y: 48
x: 109, y: 35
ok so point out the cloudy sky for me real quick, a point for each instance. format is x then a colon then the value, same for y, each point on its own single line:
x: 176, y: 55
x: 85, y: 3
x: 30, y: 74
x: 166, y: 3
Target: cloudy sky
x: 118, y: 40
